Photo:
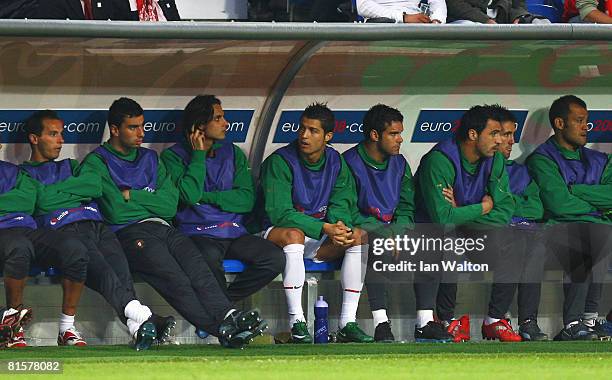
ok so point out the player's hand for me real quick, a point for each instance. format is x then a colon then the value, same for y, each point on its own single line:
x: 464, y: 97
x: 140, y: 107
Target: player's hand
x: 418, y: 18
x: 449, y: 195
x: 491, y: 21
x: 339, y: 233
x: 197, y: 139
x: 126, y: 194
x: 487, y: 204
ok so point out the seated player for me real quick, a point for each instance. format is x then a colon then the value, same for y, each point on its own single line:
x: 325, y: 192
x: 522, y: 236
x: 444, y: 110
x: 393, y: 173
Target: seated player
x: 471, y: 166
x: 138, y: 201
x: 385, y: 199
x: 307, y: 191
x: 576, y: 190
x: 65, y: 204
x: 22, y: 244
x: 216, y: 193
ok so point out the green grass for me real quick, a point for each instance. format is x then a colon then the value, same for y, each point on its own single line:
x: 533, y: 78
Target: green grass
x: 549, y: 360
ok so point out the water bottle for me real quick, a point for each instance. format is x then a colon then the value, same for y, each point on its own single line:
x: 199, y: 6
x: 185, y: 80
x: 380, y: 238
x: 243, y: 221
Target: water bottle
x: 321, y: 334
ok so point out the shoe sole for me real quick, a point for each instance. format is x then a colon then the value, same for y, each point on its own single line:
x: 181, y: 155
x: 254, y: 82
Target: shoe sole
x: 243, y: 338
x: 300, y: 341
x: 425, y: 340
x: 146, y: 336
x: 527, y: 338
x: 164, y: 335
x: 503, y: 341
x: 342, y: 339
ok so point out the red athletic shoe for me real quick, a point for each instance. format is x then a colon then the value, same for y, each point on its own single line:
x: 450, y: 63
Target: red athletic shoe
x: 71, y: 337
x: 459, y: 329
x: 6, y: 333
x: 16, y: 318
x: 18, y: 340
x: 500, y: 330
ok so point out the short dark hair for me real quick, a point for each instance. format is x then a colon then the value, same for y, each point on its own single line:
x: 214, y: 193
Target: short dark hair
x: 320, y: 111
x: 34, y: 123
x: 199, y: 111
x: 476, y: 118
x: 379, y: 117
x: 503, y: 114
x: 561, y: 108
x: 122, y: 108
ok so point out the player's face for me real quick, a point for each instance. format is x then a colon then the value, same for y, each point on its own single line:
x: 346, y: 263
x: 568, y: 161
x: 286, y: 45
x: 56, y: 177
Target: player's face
x: 130, y: 133
x: 312, y: 137
x: 50, y: 141
x: 507, y: 136
x: 217, y: 127
x: 574, y: 131
x: 391, y: 139
x: 489, y: 139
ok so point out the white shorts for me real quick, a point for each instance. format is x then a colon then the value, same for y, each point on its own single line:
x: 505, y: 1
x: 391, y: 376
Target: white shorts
x: 311, y: 246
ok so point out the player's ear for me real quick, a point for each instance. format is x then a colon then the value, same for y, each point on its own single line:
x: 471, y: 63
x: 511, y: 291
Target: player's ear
x: 114, y: 130
x: 472, y: 135
x: 328, y: 137
x: 374, y: 136
x: 33, y: 138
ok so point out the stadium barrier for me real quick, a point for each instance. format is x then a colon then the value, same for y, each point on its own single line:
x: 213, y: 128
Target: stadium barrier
x: 265, y: 73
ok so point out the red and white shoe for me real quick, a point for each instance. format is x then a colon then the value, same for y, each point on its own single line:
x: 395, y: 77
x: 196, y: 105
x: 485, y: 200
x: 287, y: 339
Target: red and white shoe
x: 500, y: 330
x: 459, y: 329
x: 16, y: 318
x: 5, y: 335
x: 17, y: 340
x: 71, y: 337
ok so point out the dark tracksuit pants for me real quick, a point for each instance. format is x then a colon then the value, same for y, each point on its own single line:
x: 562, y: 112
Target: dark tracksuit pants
x: 425, y: 284
x: 529, y: 289
x: 502, y: 257
x: 22, y: 247
x: 583, y: 251
x: 264, y: 261
x: 108, y: 272
x: 170, y: 262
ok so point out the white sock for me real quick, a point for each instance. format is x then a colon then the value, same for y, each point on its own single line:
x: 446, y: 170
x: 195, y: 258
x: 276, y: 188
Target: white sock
x: 66, y: 322
x: 423, y: 317
x: 136, y: 311
x: 293, y: 281
x: 132, y: 326
x: 488, y: 320
x: 379, y: 316
x: 351, y: 276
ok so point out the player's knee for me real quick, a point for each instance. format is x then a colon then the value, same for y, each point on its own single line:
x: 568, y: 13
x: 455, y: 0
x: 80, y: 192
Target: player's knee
x: 74, y: 260
x: 19, y: 253
x: 293, y: 236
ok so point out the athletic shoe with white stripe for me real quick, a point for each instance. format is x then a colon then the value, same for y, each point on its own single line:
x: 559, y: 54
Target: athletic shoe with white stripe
x: 71, y: 337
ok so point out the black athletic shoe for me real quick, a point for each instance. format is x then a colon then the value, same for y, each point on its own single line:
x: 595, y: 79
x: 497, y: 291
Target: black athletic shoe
x: 601, y: 329
x: 146, y: 336
x: 432, y: 332
x: 530, y: 331
x: 240, y: 327
x: 164, y: 327
x: 383, y: 334
x: 579, y: 331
